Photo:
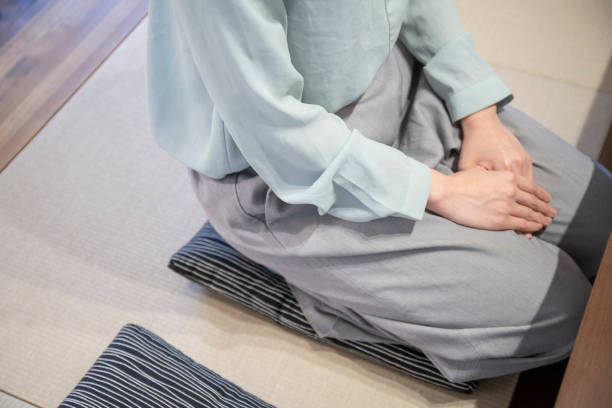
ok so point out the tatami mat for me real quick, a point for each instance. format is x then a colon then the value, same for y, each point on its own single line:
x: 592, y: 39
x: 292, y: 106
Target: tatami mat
x: 90, y: 212
x: 92, y: 209
x: 6, y: 401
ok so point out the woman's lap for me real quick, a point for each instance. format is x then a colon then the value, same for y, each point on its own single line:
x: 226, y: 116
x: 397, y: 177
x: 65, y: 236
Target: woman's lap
x: 479, y: 303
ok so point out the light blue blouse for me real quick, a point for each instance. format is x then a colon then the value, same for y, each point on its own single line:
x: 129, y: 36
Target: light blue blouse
x: 238, y: 83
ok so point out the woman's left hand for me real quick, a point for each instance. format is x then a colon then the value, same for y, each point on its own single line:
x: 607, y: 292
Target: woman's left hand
x: 489, y: 144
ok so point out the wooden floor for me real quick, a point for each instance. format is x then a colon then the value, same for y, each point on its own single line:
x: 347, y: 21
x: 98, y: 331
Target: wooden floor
x: 48, y: 48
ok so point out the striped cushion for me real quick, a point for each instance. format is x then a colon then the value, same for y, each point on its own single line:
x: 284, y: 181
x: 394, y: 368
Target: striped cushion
x: 209, y: 260
x: 139, y: 369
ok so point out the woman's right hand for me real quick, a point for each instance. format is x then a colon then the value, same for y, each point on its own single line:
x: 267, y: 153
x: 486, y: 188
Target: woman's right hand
x: 490, y: 199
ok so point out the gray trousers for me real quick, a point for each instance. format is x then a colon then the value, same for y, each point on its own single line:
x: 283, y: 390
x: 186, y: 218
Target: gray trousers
x: 478, y: 303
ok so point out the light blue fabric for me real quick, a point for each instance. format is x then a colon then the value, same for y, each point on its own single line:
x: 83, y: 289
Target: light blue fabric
x: 238, y: 83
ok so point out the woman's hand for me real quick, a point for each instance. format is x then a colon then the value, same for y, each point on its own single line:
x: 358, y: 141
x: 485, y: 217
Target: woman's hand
x: 489, y: 199
x: 489, y: 144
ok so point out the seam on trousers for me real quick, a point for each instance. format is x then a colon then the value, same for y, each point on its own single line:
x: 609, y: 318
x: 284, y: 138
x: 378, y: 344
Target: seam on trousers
x: 250, y: 215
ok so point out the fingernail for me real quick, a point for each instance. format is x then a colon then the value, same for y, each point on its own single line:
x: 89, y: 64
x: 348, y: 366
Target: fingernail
x: 548, y: 220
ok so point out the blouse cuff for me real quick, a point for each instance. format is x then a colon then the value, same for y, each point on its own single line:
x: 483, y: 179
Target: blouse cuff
x: 465, y: 81
x: 478, y: 96
x: 384, y: 179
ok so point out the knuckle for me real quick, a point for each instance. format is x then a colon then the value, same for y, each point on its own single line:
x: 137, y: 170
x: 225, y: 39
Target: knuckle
x: 531, y: 202
x: 540, y: 206
x: 511, y: 177
x: 500, y: 220
x: 510, y: 190
x: 542, y: 191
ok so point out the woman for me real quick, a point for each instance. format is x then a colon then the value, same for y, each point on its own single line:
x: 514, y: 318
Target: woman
x: 468, y: 230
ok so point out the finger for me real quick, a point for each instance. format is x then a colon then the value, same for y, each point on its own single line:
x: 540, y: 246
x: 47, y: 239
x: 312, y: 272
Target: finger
x: 527, y: 234
x: 530, y: 173
x: 529, y: 180
x: 519, y: 210
x: 533, y: 202
x: 526, y: 169
x: 527, y: 184
x: 515, y: 167
x: 542, y: 195
x: 521, y: 224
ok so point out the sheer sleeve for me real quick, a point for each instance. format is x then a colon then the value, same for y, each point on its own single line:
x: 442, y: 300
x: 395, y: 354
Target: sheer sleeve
x: 467, y: 83
x: 303, y: 153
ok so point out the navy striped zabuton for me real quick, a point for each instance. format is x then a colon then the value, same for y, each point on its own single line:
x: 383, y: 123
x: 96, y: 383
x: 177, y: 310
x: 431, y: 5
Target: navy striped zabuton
x: 209, y: 260
x: 139, y: 369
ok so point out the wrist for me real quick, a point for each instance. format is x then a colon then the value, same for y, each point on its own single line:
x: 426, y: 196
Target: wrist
x: 484, y: 117
x: 439, y: 189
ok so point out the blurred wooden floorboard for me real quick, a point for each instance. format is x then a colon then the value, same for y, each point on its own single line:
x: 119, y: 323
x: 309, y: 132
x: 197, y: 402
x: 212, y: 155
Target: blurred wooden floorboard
x: 48, y: 48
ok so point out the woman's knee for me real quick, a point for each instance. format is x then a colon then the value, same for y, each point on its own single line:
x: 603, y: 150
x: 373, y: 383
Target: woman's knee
x: 543, y: 311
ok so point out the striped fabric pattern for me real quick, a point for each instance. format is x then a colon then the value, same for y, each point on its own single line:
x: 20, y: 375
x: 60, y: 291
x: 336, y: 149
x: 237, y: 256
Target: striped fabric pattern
x: 209, y: 260
x: 139, y: 369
